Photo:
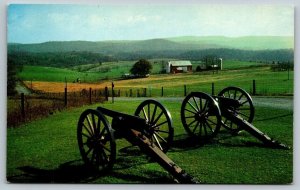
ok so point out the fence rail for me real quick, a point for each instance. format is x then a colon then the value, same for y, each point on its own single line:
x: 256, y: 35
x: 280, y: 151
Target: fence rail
x: 254, y: 87
x: 29, y: 107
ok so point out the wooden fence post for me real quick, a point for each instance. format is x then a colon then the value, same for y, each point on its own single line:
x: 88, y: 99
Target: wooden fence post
x: 23, y: 105
x: 254, y: 88
x: 106, y: 93
x: 90, y: 96
x: 66, y: 96
x: 112, y: 92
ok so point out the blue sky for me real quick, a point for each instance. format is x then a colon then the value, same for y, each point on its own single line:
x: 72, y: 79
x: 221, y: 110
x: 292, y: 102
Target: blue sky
x: 33, y: 23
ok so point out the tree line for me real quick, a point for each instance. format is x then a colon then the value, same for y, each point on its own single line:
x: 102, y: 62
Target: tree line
x: 75, y: 58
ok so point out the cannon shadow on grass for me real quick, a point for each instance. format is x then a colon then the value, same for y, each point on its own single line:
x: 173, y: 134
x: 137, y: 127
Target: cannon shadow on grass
x: 224, y: 138
x: 69, y: 172
x: 75, y: 172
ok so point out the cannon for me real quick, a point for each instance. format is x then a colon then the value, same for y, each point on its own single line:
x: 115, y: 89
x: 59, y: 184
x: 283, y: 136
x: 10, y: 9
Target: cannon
x: 202, y: 115
x: 150, y: 128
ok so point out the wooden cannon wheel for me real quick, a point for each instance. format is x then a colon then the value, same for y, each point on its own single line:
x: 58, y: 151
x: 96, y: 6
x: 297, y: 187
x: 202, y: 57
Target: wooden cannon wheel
x: 200, y: 116
x: 96, y: 141
x: 244, y: 110
x: 160, y: 129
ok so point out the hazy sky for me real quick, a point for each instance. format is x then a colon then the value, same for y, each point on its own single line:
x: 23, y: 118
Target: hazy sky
x: 40, y: 23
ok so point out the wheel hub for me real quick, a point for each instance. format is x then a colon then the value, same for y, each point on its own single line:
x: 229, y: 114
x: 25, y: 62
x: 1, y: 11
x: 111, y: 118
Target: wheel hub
x: 201, y: 117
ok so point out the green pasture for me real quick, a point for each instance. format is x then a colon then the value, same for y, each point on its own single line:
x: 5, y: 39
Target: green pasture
x: 46, y: 151
x: 105, y: 70
x: 267, y: 82
x: 86, y: 73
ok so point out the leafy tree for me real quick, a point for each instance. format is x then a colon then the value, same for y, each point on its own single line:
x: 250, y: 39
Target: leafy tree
x: 11, y: 77
x: 141, y: 68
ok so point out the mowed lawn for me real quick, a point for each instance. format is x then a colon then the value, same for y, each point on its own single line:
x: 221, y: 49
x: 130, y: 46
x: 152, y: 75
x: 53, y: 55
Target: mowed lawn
x: 46, y: 151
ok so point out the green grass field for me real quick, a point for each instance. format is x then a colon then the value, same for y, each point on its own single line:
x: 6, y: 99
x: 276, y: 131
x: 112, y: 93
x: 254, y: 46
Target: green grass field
x: 46, y: 151
x: 87, y: 73
x: 104, y: 71
x: 267, y: 81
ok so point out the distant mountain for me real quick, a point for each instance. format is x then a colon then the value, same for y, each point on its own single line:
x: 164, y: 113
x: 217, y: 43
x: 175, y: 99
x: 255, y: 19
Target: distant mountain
x: 179, y: 44
x: 243, y: 43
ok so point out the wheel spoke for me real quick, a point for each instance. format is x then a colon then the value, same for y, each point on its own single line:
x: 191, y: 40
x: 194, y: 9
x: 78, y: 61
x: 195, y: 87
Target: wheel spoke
x: 154, y: 112
x: 212, y: 121
x: 157, y: 141
x: 191, y: 123
x: 240, y: 96
x: 97, y: 158
x: 161, y: 131
x: 87, y: 152
x: 85, y: 135
x: 190, y: 111
x: 196, y: 104
x: 161, y: 123
x: 149, y: 112
x: 200, y: 130
x: 228, y: 94
x: 93, y: 155
x: 234, y: 96
x: 98, y: 126
x: 156, y: 120
x: 196, y: 127
x: 245, y: 102
x: 145, y: 115
x: 89, y: 132
x: 192, y: 106
x: 205, y: 105
x: 190, y: 117
x: 106, y: 148
x: 90, y: 124
x: 160, y: 137
x: 94, y: 123
x: 205, y: 130
x: 240, y: 113
x: 102, y: 132
x: 208, y: 125
x: 200, y: 100
x: 106, y: 158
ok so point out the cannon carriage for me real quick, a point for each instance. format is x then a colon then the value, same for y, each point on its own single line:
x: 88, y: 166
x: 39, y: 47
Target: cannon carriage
x: 203, y: 115
x: 151, y: 128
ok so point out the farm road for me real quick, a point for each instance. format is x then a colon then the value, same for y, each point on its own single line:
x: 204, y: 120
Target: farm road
x: 274, y: 102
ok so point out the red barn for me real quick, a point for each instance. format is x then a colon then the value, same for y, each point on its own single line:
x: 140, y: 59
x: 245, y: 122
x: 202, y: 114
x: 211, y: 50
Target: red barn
x: 179, y: 66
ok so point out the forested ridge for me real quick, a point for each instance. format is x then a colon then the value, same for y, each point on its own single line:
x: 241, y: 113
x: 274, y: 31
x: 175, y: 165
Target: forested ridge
x: 74, y: 58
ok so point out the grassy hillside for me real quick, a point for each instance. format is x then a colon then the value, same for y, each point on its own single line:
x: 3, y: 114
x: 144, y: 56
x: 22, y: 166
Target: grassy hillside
x: 245, y: 43
x: 105, y: 70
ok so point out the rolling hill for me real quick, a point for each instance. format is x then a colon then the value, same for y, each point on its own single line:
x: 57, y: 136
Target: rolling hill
x: 187, y: 43
x: 243, y: 43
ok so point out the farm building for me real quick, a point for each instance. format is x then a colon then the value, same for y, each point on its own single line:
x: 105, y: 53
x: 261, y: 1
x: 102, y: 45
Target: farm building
x: 178, y: 66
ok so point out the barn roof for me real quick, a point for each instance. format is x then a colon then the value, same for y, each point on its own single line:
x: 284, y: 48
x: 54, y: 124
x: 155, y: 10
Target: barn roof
x: 180, y: 63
